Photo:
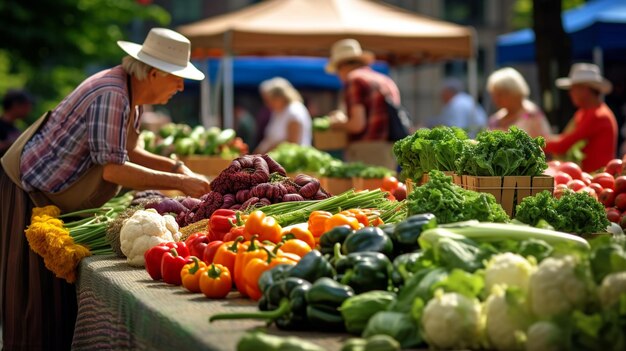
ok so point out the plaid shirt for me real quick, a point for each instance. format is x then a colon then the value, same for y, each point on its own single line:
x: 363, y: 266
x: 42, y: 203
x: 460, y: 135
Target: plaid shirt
x: 87, y: 128
x: 369, y: 88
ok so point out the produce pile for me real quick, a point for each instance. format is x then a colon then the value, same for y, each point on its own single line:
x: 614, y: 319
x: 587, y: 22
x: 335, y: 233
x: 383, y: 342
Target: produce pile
x: 451, y: 203
x: 250, y: 181
x: 182, y: 140
x: 608, y: 186
x: 297, y: 158
x: 493, y: 153
x: 430, y: 149
x: 321, y: 124
x: 463, y: 286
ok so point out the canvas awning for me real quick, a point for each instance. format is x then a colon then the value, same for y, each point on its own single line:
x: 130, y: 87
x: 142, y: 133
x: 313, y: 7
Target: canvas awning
x: 310, y: 27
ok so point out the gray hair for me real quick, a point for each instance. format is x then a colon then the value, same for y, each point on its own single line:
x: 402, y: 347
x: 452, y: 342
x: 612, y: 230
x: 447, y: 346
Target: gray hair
x: 280, y: 87
x: 508, y: 79
x: 135, y: 67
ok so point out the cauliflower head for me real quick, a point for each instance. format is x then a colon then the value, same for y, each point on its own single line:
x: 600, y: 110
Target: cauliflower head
x: 544, y: 336
x: 145, y: 229
x: 508, y: 269
x: 507, y: 318
x: 452, y: 321
x: 558, y: 286
x: 612, y: 288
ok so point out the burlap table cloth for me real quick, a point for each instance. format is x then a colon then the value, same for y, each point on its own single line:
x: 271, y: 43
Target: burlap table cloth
x: 121, y: 308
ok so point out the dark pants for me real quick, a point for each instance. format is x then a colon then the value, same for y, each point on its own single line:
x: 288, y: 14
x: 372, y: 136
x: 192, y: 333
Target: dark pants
x: 38, y: 309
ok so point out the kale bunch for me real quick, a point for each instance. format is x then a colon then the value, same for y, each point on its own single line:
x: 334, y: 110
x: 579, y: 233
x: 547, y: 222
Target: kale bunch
x: 577, y: 213
x: 451, y: 203
x: 430, y: 149
x: 499, y: 153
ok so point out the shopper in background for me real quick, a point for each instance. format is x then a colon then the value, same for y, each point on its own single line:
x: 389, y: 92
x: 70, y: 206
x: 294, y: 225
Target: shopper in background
x: 593, y: 122
x: 290, y: 120
x: 460, y: 109
x: 16, y: 105
x: 509, y: 92
x: 365, y: 92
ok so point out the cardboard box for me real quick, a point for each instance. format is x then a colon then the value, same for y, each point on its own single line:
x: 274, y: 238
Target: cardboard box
x: 210, y: 166
x: 330, y: 140
x: 511, y: 190
x: 336, y: 186
x: 367, y: 183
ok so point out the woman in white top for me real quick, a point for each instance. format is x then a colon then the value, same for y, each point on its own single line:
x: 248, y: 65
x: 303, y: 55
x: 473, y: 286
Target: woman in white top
x: 509, y: 92
x: 290, y: 121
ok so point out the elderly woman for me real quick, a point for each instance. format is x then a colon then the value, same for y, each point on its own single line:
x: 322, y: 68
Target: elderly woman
x: 78, y: 156
x: 290, y: 120
x: 509, y: 93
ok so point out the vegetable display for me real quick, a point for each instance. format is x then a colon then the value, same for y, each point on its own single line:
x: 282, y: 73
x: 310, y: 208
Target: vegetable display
x: 182, y: 140
x: 250, y: 182
x: 430, y: 149
x: 573, y: 212
x: 499, y: 153
x: 297, y: 158
x: 451, y: 203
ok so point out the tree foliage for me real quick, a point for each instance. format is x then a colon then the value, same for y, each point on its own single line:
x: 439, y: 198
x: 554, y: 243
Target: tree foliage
x: 48, y: 46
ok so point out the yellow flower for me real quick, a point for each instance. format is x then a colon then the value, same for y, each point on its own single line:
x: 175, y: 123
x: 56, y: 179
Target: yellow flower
x: 52, y: 211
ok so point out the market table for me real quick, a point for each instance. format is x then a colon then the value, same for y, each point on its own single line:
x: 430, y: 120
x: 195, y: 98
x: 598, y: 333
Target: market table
x: 120, y: 307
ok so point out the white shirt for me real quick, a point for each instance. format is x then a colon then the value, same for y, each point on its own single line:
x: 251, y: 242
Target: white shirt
x: 276, y: 130
x: 461, y: 111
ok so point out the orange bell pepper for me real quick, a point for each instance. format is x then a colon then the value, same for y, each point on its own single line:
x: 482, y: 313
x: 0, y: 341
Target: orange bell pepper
x: 301, y: 234
x: 265, y: 227
x: 295, y: 246
x: 256, y: 267
x: 215, y: 281
x: 190, y: 275
x: 243, y: 257
x: 359, y: 214
x: 227, y: 253
x: 317, y: 222
x: 341, y: 219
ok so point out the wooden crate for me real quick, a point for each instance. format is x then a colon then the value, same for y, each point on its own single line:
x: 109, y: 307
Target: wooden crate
x: 330, y: 140
x: 336, y: 186
x: 511, y: 190
x: 210, y: 166
x: 367, y: 183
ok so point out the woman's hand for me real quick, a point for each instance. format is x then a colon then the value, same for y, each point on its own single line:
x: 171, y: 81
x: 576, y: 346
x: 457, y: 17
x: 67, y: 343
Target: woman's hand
x: 194, y: 186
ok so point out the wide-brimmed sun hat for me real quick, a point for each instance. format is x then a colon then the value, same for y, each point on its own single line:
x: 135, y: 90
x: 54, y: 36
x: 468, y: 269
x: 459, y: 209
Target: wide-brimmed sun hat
x: 588, y: 74
x: 347, y: 49
x: 166, y: 50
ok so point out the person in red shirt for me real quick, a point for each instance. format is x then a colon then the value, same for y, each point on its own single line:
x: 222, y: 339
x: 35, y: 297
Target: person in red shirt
x: 593, y: 122
x: 365, y: 91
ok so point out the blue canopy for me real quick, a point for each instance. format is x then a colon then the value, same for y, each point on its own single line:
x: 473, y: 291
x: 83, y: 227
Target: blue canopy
x: 599, y: 23
x: 302, y: 72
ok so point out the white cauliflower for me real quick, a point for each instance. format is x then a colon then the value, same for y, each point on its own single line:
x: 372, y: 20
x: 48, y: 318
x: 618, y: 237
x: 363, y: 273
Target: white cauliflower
x: 558, y: 286
x: 508, y: 269
x: 544, y: 336
x: 452, y: 321
x: 145, y: 229
x: 507, y: 318
x: 613, y: 286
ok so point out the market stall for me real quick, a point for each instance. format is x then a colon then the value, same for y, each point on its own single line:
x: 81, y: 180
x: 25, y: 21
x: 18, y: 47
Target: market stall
x: 489, y: 244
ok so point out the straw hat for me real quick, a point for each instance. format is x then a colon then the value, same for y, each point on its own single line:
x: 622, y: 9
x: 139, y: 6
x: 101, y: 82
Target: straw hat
x: 588, y: 74
x: 166, y: 50
x: 347, y: 49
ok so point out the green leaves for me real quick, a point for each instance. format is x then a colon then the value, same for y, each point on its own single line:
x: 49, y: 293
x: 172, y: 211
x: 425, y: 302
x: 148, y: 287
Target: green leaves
x: 498, y: 153
x: 429, y: 149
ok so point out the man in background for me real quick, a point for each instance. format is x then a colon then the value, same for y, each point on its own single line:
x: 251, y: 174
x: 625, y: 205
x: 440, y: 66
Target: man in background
x: 460, y: 109
x: 16, y: 105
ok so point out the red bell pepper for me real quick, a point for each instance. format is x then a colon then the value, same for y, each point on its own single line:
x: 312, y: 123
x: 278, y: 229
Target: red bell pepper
x: 154, y: 256
x: 210, y: 250
x: 196, y: 244
x: 220, y: 223
x: 171, y: 265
